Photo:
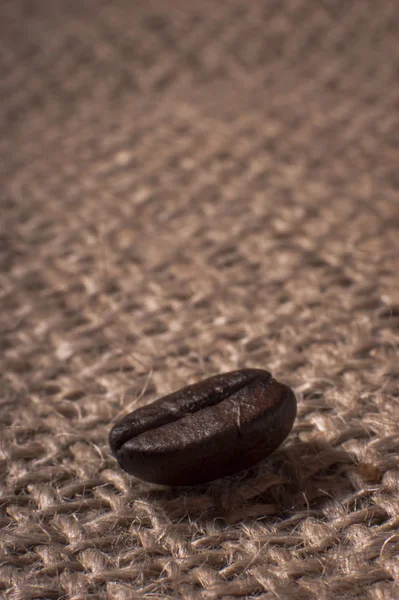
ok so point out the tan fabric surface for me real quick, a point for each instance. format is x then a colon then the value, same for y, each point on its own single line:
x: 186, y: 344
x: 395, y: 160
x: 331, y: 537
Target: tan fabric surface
x: 189, y: 188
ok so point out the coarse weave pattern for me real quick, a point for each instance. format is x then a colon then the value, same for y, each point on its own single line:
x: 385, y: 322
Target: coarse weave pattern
x: 188, y: 188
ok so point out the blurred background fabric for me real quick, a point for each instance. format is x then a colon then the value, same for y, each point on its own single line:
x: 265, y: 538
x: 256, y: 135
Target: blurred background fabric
x: 188, y: 188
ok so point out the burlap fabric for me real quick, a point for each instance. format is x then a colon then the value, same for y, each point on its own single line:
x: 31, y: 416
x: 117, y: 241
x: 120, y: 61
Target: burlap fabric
x: 189, y: 188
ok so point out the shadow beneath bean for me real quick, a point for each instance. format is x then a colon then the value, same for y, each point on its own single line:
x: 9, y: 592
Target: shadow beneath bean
x: 298, y: 477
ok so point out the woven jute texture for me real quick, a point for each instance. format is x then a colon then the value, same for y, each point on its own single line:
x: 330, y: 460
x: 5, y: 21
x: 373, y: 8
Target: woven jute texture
x: 188, y: 188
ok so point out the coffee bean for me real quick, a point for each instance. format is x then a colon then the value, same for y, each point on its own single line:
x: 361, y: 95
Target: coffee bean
x: 216, y: 427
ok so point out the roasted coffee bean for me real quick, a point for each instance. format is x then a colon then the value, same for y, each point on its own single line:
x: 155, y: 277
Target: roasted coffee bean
x: 204, y: 431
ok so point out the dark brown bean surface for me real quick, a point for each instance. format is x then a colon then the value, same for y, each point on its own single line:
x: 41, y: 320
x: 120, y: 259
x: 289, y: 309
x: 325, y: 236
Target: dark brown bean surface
x: 207, y: 430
